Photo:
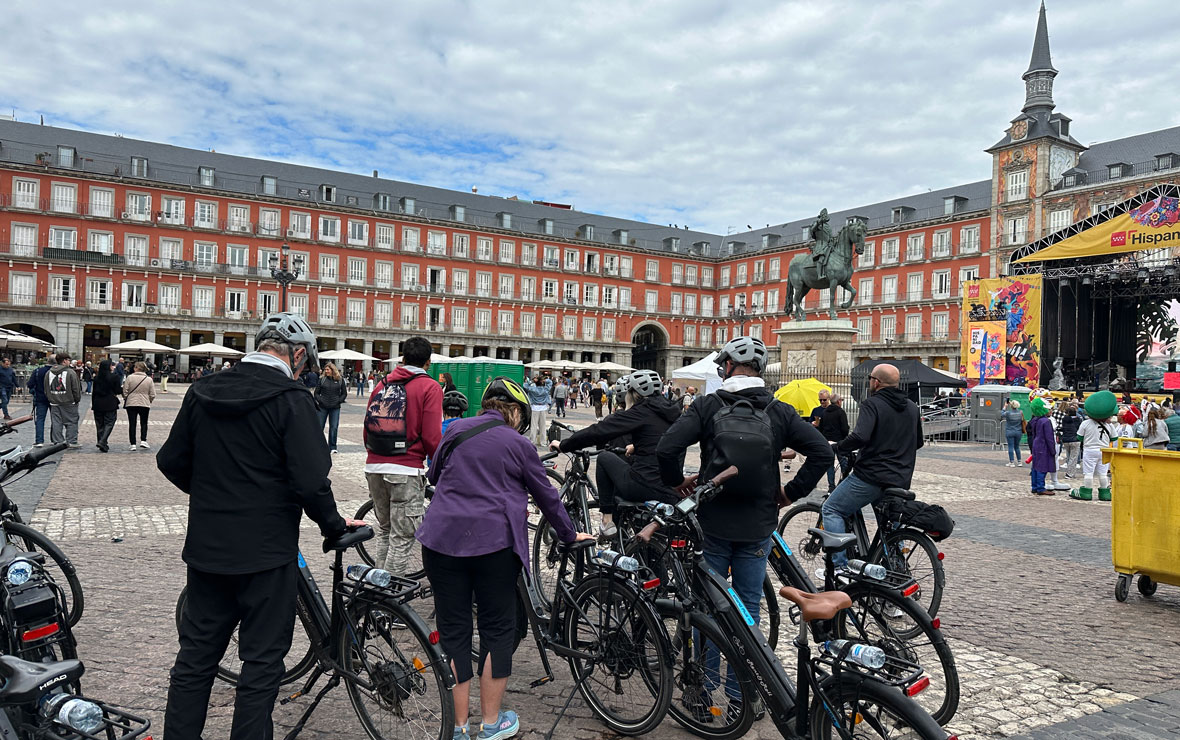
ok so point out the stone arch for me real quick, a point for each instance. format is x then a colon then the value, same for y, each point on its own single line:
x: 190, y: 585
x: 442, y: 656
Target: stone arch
x: 649, y: 346
x: 33, y: 330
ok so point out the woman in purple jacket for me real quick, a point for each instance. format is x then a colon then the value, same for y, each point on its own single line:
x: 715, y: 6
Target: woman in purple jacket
x: 475, y: 540
x: 1043, y: 444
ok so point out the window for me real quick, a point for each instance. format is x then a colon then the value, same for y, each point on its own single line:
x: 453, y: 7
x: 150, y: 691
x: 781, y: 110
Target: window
x: 690, y: 335
x: 889, y: 289
x: 24, y: 193
x: 329, y: 268
x: 327, y: 309
x: 356, y: 312
x: 239, y: 218
x: 483, y: 249
x: 569, y: 326
x: 409, y: 277
x: 409, y: 315
x: 724, y: 277
x: 868, y: 256
x: 741, y: 274
x: 551, y: 256
x: 706, y: 277
x: 1016, y: 230
x: 864, y: 329
x: 608, y: 330
x: 436, y: 242
x: 888, y: 328
x: 690, y: 304
x: 889, y: 249
x: 913, y: 287
x: 590, y: 295
x: 651, y: 301
x: 102, y: 203
x: 589, y: 329
x: 358, y: 233
x: 356, y: 270
x: 410, y: 241
x: 507, y: 286
x: 328, y: 193
x: 1096, y: 208
x: 205, y: 216
x: 172, y: 211
x: 939, y: 326
x: 528, y: 324
x: 942, y: 244
x: 235, y: 303
x: 268, y: 222
x: 507, y: 252
x: 571, y: 293
x: 707, y: 306
x: 653, y: 271
x: 677, y: 274
x: 759, y: 271
x: 483, y: 321
x: 459, y: 319
x: 772, y: 300
x: 690, y: 274
x: 968, y: 239
x: 483, y: 284
x: 677, y: 303
x: 270, y: 185
x: 722, y: 335
x: 24, y: 240
x: 459, y: 282
x: 864, y: 292
x: 139, y: 167
x: 300, y: 225
x: 384, y: 238
x: 1162, y: 161
x: 549, y: 326
x: 203, y: 301
x: 1116, y: 171
x: 571, y: 259
x: 139, y: 206
x: 506, y: 322
x: 756, y: 331
x: 913, y: 327
x: 297, y: 302
x: 625, y: 299
x: 171, y: 249
x: 625, y: 267
x: 915, y: 247
x: 268, y: 303
x: 383, y: 314
x: 1017, y: 185
x: 774, y: 268
x: 329, y: 229
x: 65, y: 198
x: 300, y: 264
x: 98, y: 294
x: 528, y: 254
x: 706, y: 334
x: 65, y: 156
x: 383, y: 275
x: 461, y: 242
x: 825, y: 298
x: 62, y: 238
x: 528, y: 288
x: 168, y: 299
x: 609, y: 293
x: 549, y: 290
x: 135, y: 250
x: 966, y: 274
x: 205, y: 176
x: 1059, y: 219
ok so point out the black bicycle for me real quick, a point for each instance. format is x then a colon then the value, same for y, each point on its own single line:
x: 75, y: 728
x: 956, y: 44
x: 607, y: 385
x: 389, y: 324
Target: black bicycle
x: 372, y: 640
x: 579, y: 496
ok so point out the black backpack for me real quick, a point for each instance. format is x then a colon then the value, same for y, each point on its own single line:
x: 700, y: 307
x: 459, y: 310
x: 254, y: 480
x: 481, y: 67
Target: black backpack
x: 743, y: 435
x: 385, y: 418
x: 930, y: 518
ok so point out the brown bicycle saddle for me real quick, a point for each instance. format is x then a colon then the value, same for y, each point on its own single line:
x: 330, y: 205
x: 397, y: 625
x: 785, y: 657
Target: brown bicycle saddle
x: 824, y: 605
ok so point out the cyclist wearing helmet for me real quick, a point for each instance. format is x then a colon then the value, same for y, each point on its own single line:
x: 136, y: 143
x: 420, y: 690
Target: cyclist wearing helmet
x: 454, y: 405
x: 247, y: 449
x: 640, y: 426
x: 475, y: 541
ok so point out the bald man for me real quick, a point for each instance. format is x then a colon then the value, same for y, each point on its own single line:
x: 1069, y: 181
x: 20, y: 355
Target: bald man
x: 888, y: 434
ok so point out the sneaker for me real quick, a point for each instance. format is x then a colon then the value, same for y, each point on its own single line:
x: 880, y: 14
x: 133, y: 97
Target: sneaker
x: 39, y: 444
x: 145, y: 445
x: 506, y: 725
x: 841, y: 573
x: 132, y: 448
x: 1068, y: 475
x: 462, y: 732
x: 333, y: 452
x: 75, y: 446
x: 607, y: 530
x: 1019, y: 464
x: 1009, y: 465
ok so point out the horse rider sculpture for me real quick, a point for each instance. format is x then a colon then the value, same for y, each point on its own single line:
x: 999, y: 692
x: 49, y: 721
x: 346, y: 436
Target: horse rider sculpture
x: 821, y: 232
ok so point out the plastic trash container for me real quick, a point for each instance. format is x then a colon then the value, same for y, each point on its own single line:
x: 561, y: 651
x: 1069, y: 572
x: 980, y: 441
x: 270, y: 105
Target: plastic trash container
x: 1145, y: 517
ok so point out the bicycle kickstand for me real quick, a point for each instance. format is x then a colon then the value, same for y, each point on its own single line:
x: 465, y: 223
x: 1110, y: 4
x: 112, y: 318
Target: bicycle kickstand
x: 569, y: 700
x: 333, y: 682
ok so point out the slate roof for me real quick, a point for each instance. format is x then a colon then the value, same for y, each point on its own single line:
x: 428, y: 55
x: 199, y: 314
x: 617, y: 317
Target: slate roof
x: 1040, y: 53
x: 1140, y: 149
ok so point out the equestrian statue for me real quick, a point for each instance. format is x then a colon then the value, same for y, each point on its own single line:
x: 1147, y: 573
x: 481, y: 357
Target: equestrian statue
x: 829, y: 265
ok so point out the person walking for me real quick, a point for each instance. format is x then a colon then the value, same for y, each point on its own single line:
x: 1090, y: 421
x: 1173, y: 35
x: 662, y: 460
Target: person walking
x: 105, y: 405
x: 538, y: 391
x: 165, y: 372
x: 475, y: 541
x: 359, y: 379
x: 1042, y: 443
x: 64, y: 391
x: 329, y: 395
x: 689, y: 397
x: 138, y: 393
x: 1067, y: 433
x: 447, y: 382
x: 36, y: 387
x: 88, y: 377
x: 1013, y: 419
x: 245, y: 450
x: 7, y: 386
x: 561, y: 393
x: 403, y: 426
x: 834, y: 426
x: 597, y: 395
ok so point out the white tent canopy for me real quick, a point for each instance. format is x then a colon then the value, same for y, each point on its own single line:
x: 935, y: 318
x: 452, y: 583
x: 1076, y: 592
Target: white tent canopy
x: 345, y: 355
x: 702, y: 371
x: 209, y: 349
x: 11, y: 339
x: 139, y: 345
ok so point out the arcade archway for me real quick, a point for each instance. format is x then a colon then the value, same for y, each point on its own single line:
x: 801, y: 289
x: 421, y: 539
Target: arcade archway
x: 649, y: 349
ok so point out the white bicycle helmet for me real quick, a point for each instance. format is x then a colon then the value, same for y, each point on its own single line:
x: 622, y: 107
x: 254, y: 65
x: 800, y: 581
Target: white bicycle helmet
x: 742, y: 351
x: 645, y: 383
x: 292, y: 329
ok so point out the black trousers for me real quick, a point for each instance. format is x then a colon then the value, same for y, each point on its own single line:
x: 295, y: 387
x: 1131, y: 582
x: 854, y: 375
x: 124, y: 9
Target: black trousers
x: 104, y: 422
x: 615, y: 481
x: 491, y: 579
x: 262, y: 606
x: 141, y: 413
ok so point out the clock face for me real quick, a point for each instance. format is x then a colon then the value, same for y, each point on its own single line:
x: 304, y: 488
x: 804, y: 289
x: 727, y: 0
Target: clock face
x: 1060, y: 160
x: 1019, y: 130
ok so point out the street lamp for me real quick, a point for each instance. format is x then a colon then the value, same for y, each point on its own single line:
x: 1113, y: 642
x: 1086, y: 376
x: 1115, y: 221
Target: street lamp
x: 279, y: 271
x: 738, y: 313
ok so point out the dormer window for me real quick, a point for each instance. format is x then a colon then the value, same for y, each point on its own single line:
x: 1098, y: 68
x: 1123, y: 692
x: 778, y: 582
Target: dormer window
x: 1064, y: 125
x: 1070, y: 181
x: 546, y: 226
x: 672, y: 243
x: 504, y: 220
x: 1163, y: 161
x: 407, y: 204
x: 458, y: 213
x: 383, y: 202
x: 328, y: 193
x: 620, y: 236
x: 206, y: 176
x: 899, y: 214
x: 139, y: 167
x: 66, y: 156
x: 586, y: 231
x: 270, y: 185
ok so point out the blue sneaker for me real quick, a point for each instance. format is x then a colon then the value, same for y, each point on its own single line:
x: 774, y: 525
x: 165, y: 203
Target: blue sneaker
x: 462, y: 732
x: 506, y: 725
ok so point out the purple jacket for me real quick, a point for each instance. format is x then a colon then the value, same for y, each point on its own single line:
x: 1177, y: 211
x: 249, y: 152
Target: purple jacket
x: 481, y: 495
x: 1042, y: 442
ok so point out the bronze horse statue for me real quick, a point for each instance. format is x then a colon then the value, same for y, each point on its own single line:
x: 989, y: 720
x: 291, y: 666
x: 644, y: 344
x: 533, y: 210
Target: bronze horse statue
x: 802, y: 275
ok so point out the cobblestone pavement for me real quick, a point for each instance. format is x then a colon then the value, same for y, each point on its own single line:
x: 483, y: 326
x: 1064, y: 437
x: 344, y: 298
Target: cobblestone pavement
x: 1042, y: 647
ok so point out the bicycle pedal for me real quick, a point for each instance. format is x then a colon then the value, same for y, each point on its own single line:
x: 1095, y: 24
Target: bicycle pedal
x: 291, y: 698
x: 540, y: 682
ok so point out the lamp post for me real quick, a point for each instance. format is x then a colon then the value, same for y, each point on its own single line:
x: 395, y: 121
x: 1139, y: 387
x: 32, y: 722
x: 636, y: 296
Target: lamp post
x: 279, y: 271
x: 738, y: 313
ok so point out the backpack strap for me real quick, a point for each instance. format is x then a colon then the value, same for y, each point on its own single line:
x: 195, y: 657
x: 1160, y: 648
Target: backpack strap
x: 460, y: 439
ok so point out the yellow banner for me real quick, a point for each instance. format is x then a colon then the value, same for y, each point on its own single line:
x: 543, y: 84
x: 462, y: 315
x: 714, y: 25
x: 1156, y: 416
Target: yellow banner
x: 1002, y: 315
x: 1154, y: 225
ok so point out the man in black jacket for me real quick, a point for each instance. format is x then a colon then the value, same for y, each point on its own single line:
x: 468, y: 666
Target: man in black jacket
x: 888, y: 434
x: 737, y: 523
x: 833, y: 424
x: 247, y: 450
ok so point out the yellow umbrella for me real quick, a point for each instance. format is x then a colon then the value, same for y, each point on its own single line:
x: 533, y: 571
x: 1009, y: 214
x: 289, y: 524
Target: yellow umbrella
x: 803, y: 394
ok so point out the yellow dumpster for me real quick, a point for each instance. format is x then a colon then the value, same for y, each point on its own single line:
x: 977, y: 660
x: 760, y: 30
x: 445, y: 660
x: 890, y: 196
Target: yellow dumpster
x: 1145, y: 517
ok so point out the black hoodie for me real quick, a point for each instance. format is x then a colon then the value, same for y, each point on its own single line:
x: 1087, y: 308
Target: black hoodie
x: 641, y: 425
x: 888, y: 434
x: 247, y: 448
x: 744, y: 516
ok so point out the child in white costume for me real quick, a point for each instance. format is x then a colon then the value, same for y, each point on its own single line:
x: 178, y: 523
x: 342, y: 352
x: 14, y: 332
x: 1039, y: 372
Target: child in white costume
x: 1100, y: 429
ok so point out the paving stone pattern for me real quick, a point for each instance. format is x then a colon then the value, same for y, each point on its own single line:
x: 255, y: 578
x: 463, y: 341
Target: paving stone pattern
x: 1042, y: 648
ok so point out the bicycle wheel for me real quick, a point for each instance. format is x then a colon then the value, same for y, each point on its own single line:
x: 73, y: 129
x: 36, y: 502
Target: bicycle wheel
x: 628, y: 682
x: 793, y: 526
x: 401, y: 688
x: 417, y: 572
x: 230, y: 668
x: 545, y: 557
x: 57, y: 566
x: 859, y: 707
x: 903, y: 629
x: 913, y: 552
x: 710, y: 701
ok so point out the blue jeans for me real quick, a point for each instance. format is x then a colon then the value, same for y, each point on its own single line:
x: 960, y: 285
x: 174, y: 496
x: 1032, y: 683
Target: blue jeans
x: 852, y: 495
x: 5, y: 394
x: 40, y: 411
x: 1038, y: 480
x: 332, y: 416
x: 745, y: 562
x: 1013, y: 447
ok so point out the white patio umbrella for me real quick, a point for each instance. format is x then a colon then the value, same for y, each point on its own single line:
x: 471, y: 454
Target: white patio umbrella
x: 434, y: 358
x: 139, y: 345
x: 209, y: 349
x: 11, y: 339
x: 612, y: 367
x: 346, y: 355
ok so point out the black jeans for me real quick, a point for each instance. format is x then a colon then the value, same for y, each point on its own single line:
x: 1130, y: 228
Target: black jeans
x: 141, y: 413
x: 264, y: 605
x: 491, y: 579
x: 615, y: 481
x: 560, y: 406
x: 105, y: 422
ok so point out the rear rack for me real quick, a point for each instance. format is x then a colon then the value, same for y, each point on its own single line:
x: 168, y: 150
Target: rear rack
x: 400, y: 590
x: 117, y: 725
x: 895, y: 672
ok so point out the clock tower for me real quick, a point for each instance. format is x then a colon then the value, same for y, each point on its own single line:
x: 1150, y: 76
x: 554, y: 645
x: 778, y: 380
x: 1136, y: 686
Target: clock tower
x: 1032, y: 157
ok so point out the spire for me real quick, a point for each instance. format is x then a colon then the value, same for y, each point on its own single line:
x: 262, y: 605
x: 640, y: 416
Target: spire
x: 1038, y: 80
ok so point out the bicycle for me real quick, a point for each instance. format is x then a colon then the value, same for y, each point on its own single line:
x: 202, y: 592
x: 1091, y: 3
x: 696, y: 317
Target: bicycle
x: 371, y: 639
x: 580, y: 496
x: 849, y: 699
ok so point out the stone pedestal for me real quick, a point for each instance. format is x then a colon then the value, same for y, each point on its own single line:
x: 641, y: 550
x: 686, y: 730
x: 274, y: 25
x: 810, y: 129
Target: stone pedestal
x: 822, y: 349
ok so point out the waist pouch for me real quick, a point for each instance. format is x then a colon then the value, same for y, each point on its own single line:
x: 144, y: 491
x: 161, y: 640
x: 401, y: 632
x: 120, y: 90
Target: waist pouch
x: 930, y: 518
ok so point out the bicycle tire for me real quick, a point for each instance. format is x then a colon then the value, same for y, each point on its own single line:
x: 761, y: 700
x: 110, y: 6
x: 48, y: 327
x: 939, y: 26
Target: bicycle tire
x: 793, y: 526
x: 849, y: 700
x: 35, y: 541
x: 619, y: 602
x: 902, y: 628
x: 544, y: 556
x: 925, y: 568
x: 227, y: 668
x: 396, y: 677
x: 416, y: 553
x: 688, y: 678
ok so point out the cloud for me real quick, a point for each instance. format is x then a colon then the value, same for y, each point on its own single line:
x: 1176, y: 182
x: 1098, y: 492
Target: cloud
x: 714, y: 114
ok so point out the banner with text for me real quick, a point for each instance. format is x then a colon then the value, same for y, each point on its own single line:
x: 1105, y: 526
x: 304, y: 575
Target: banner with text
x: 1153, y: 225
x: 1001, y: 332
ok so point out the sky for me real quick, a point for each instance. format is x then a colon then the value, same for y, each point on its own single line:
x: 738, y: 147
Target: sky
x: 709, y: 114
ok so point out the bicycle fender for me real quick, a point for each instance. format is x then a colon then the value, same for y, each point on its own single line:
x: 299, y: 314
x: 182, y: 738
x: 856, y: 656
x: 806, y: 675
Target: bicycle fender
x: 434, y: 649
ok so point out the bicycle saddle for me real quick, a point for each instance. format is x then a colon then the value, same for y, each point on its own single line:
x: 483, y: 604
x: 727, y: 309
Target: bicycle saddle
x: 824, y: 605
x: 348, y: 539
x: 833, y: 542
x: 901, y: 493
x: 576, y: 545
x: 25, y: 682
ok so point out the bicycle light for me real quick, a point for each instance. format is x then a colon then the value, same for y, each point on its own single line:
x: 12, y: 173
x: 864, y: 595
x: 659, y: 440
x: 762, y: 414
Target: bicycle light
x: 19, y: 572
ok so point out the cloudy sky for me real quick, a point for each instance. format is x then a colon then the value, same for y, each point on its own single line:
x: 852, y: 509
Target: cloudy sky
x: 710, y: 113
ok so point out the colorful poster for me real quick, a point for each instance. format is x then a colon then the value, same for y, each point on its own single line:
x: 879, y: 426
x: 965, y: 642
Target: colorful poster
x: 1011, y: 308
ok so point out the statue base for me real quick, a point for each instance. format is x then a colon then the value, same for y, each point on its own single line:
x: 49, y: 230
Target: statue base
x: 816, y: 348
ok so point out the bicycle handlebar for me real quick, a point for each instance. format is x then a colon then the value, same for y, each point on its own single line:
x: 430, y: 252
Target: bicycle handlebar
x: 32, y: 459
x: 645, y: 534
x: 6, y: 427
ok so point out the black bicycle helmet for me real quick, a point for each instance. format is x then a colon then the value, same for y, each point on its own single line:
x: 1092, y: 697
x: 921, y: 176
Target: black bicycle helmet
x: 507, y: 389
x: 454, y: 403
x: 742, y: 351
x: 292, y: 329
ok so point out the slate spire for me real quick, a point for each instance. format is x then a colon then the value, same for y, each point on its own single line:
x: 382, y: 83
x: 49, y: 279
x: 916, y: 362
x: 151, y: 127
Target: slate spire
x: 1038, y: 80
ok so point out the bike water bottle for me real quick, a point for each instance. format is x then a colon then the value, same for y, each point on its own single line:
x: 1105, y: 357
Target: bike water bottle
x: 375, y: 576
x: 869, y: 570
x: 78, y: 714
x: 612, y: 558
x: 866, y: 655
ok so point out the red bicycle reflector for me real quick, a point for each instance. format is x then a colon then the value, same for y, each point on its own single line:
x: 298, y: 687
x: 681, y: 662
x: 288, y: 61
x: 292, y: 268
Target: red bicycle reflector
x: 649, y: 585
x: 434, y: 637
x: 678, y: 544
x: 941, y: 555
x: 936, y: 623
x: 918, y: 686
x: 37, y: 634
x: 910, y: 590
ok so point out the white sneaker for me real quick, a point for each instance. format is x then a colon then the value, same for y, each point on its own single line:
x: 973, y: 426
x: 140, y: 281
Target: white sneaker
x: 145, y: 445
x: 39, y: 444
x: 1019, y: 464
x: 132, y: 448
